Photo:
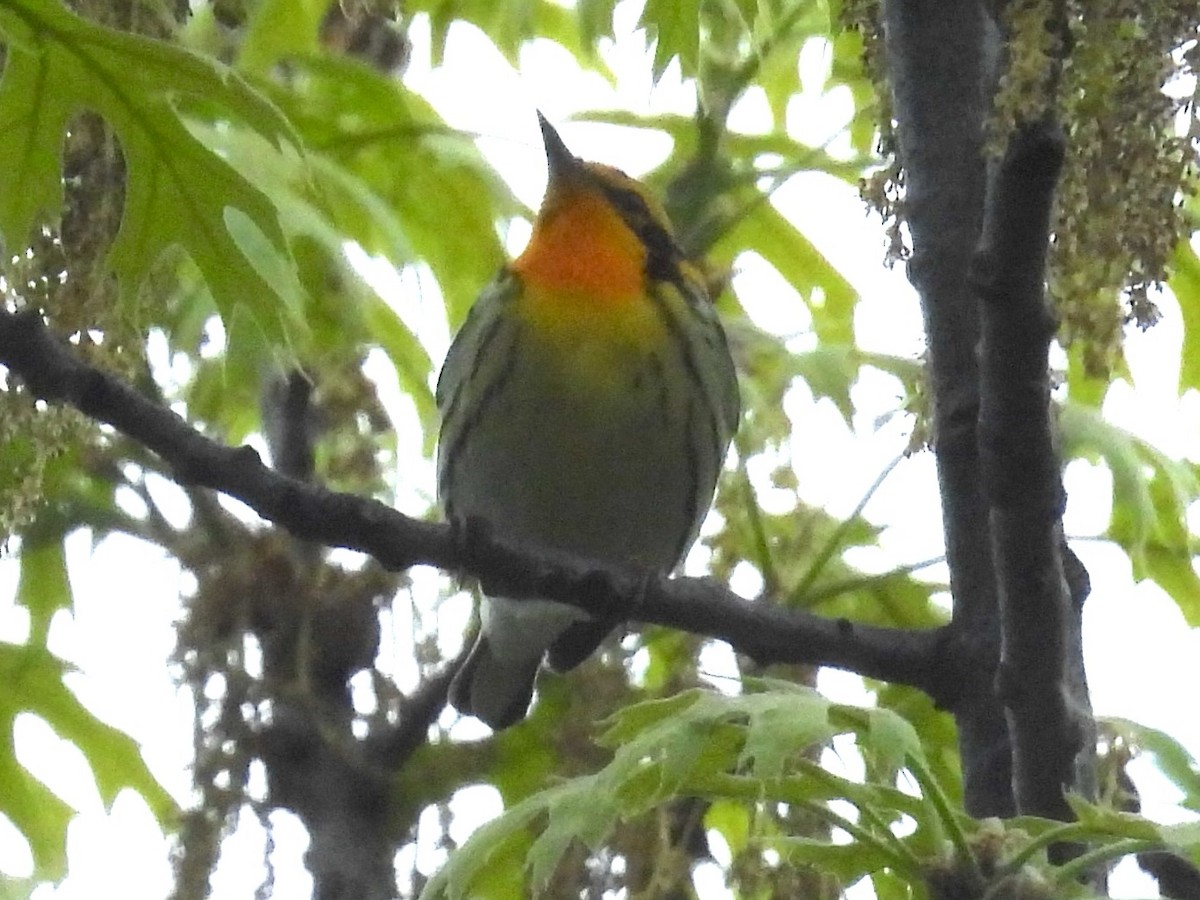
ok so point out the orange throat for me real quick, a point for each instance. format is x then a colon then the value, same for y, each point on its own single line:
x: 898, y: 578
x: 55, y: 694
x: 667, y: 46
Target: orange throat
x: 581, y: 249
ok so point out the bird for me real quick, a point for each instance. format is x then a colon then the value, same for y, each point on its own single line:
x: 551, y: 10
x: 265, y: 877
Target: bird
x: 587, y: 404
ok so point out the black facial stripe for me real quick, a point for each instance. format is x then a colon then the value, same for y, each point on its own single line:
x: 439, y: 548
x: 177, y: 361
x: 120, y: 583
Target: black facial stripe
x: 663, y: 255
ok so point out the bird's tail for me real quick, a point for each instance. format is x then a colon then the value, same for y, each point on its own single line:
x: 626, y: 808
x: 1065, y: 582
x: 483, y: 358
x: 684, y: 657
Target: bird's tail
x: 495, y: 691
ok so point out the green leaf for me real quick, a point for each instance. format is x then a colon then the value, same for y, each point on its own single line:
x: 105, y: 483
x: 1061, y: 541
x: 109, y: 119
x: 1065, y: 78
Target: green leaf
x: 830, y: 372
x: 279, y: 29
x: 1184, y: 837
x: 828, y: 295
x: 34, y: 111
x: 463, y: 258
x: 728, y: 750
x: 846, y: 862
x: 595, y: 19
x: 777, y: 731
x: 503, y: 878
x: 888, y: 738
x: 391, y: 175
x: 1185, y: 284
x: 1151, y: 496
x: 34, y: 679
x: 1168, y: 754
x: 1083, y: 387
x: 36, y: 812
x: 508, y: 25
x: 1084, y: 433
x: 797, y: 157
x: 630, y: 721
x: 581, y: 811
x: 178, y: 192
x: 732, y: 821
x: 889, y: 885
x: 778, y: 36
x: 491, y: 846
x: 328, y: 204
x: 224, y: 393
x: 33, y: 682
x: 316, y: 196
x: 410, y: 360
x: 1169, y: 565
x: 848, y: 71
x: 656, y: 755
x: 43, y: 588
x: 779, y: 75
x: 524, y: 760
x: 936, y: 729
x: 1106, y: 820
x: 674, y: 26
x: 739, y: 147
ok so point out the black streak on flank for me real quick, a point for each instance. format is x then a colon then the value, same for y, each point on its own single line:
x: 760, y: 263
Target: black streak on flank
x: 511, y: 355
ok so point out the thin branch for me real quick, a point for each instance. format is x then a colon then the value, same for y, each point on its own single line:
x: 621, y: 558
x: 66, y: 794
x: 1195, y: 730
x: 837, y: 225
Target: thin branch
x: 849, y: 585
x: 799, y: 593
x: 390, y: 748
x: 763, y: 631
x: 1021, y: 473
x: 761, y: 546
x: 1075, y: 870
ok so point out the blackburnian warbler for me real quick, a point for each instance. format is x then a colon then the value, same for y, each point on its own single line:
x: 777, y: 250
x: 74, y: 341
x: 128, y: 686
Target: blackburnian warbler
x: 587, y: 405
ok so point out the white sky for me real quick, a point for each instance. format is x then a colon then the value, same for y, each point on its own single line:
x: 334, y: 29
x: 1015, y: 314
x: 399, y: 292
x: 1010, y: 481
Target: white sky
x: 1140, y: 652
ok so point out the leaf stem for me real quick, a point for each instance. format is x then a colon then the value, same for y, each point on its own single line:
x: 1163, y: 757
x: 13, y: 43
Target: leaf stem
x: 1074, y: 869
x: 937, y: 799
x: 800, y: 591
x: 758, y: 532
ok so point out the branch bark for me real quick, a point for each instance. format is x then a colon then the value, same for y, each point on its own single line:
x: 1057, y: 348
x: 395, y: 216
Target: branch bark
x: 941, y: 60
x: 764, y: 631
x: 1047, y: 709
x: 980, y: 239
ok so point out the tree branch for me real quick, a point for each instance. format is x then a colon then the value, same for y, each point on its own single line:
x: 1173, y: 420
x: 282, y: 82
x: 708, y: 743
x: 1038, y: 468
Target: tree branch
x: 1021, y: 469
x: 763, y: 631
x: 941, y: 61
x: 1178, y: 878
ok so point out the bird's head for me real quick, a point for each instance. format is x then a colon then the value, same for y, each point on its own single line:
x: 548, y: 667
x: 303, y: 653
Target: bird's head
x: 599, y: 233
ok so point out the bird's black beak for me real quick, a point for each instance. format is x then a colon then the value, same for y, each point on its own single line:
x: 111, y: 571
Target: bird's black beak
x: 562, y: 162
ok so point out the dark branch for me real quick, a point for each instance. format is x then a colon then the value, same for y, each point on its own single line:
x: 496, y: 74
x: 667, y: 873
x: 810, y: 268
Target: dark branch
x: 289, y: 423
x: 941, y: 60
x: 763, y: 631
x: 1021, y: 469
x: 389, y: 749
x: 343, y: 804
x: 1177, y: 877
